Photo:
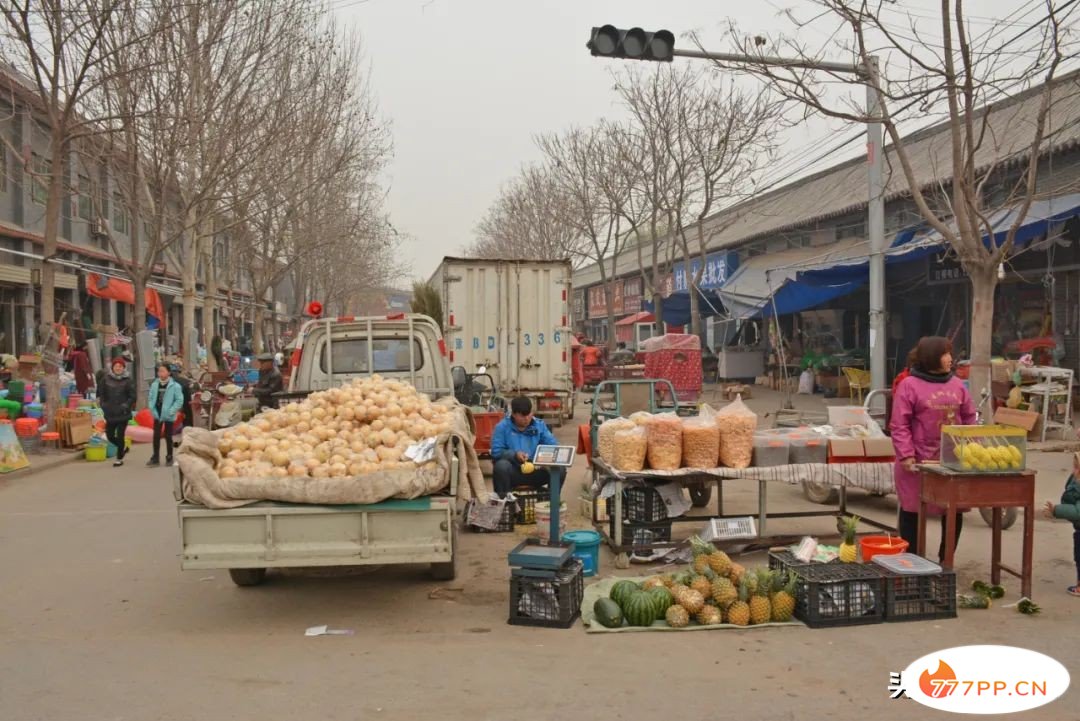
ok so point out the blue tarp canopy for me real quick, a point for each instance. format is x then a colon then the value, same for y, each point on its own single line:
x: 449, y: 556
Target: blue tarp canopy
x: 676, y: 307
x: 810, y: 282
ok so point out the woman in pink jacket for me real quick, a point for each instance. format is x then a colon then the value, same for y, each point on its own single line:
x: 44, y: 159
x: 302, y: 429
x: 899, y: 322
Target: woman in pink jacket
x: 925, y: 401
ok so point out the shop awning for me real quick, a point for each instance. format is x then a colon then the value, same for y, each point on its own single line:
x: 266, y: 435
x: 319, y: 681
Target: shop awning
x: 676, y: 306
x: 750, y: 290
x: 642, y: 317
x: 123, y: 291
x: 1045, y: 217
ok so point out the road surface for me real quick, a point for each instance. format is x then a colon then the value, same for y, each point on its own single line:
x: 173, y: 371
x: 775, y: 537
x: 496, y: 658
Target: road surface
x: 98, y: 622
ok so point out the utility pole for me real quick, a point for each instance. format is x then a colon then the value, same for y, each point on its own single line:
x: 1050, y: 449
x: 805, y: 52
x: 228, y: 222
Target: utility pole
x: 635, y: 44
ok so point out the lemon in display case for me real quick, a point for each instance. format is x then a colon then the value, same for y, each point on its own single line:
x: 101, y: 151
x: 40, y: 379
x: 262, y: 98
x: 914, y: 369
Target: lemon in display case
x: 984, y: 449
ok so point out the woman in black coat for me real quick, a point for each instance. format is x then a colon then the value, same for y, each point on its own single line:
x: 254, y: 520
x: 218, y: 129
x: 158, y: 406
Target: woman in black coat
x: 117, y: 397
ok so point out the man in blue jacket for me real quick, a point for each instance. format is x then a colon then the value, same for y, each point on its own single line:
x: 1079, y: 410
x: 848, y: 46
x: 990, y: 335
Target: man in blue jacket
x: 514, y: 442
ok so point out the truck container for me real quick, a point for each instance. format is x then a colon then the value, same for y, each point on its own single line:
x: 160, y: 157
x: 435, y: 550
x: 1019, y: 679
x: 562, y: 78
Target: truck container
x: 512, y: 319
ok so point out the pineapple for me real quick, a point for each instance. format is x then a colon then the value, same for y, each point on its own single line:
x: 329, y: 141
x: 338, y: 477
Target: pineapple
x: 783, y: 598
x: 702, y: 585
x: 760, y: 608
x: 720, y: 563
x: 692, y: 601
x: 678, y: 590
x: 849, y: 552
x: 737, y: 573
x: 724, y: 593
x: 709, y: 616
x: 738, y: 613
x: 677, y: 617
x: 652, y: 583
x: 668, y: 579
x: 702, y: 550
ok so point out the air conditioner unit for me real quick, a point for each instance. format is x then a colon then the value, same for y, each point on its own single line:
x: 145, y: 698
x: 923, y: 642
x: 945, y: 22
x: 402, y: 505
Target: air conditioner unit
x: 97, y: 227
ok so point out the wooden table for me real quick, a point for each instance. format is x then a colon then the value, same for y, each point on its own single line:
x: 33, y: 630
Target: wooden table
x: 997, y: 491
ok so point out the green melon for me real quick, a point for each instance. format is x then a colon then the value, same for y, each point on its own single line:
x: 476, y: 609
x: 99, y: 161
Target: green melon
x: 640, y: 609
x: 662, y: 599
x: 608, y: 613
x: 622, y: 590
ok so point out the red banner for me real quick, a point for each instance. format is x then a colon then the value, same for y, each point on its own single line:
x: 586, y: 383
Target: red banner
x: 597, y: 302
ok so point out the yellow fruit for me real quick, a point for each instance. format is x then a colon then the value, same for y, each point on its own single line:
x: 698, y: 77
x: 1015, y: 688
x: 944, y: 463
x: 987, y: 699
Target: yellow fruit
x: 692, y: 601
x: 677, y: 617
x: 739, y: 614
x: 527, y: 467
x: 709, y: 616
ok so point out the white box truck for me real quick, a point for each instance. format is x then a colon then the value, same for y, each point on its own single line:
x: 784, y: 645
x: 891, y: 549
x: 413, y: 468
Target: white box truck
x: 512, y: 318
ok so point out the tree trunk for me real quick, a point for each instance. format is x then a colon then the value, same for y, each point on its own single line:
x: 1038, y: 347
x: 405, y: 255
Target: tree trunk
x: 51, y: 339
x: 142, y: 383
x: 209, y: 290
x: 190, y: 250
x: 691, y: 288
x: 983, y: 284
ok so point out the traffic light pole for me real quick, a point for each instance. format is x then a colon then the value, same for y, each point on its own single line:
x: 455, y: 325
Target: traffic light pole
x: 876, y: 171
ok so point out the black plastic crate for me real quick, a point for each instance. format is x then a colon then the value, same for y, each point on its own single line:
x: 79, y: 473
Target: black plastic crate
x: 642, y: 504
x: 547, y: 598
x: 784, y: 560
x: 661, y: 531
x: 505, y: 524
x: 839, y: 594
x: 527, y: 498
x: 919, y: 598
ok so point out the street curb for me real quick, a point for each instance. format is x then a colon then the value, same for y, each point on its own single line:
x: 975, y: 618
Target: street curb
x: 31, y: 471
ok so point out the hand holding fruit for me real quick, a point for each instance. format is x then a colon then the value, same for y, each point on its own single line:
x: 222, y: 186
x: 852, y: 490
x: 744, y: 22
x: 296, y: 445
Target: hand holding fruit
x: 527, y: 467
x: 521, y: 457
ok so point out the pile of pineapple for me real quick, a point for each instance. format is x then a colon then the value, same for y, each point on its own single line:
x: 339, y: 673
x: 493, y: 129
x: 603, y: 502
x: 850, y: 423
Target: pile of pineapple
x: 716, y: 590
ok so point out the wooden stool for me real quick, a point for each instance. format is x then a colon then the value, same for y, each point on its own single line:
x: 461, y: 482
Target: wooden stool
x: 50, y: 442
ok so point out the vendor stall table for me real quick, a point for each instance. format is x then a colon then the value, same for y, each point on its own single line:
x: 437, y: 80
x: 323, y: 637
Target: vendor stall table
x: 1053, y: 392
x: 875, y: 477
x: 952, y: 490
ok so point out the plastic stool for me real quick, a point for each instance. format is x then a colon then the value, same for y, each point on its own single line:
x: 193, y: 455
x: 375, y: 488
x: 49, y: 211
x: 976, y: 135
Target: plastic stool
x: 50, y: 442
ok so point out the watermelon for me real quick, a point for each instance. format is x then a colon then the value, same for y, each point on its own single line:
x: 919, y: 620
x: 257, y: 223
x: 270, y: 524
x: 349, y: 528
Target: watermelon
x: 663, y: 599
x: 608, y: 613
x: 622, y: 590
x: 640, y: 609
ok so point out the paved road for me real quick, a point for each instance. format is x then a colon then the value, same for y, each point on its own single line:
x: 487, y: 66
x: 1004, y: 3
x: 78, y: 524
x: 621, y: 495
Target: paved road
x: 98, y: 622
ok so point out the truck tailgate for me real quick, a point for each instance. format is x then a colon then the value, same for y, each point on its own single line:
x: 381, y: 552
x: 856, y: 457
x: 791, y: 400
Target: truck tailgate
x: 271, y: 535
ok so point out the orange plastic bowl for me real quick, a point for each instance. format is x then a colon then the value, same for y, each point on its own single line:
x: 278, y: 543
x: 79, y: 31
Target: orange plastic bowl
x: 881, y: 546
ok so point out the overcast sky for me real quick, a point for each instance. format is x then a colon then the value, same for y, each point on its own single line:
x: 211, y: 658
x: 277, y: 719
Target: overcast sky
x: 466, y: 84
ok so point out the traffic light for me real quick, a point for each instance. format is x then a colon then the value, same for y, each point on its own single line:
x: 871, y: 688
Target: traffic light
x: 609, y: 41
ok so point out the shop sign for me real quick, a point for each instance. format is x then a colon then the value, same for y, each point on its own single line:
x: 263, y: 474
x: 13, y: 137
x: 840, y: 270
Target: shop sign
x: 617, y: 297
x: 578, y: 309
x: 632, y: 292
x: 944, y: 269
x: 597, y: 302
x: 718, y: 268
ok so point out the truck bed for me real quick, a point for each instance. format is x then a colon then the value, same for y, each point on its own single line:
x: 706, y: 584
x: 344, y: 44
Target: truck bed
x: 278, y: 535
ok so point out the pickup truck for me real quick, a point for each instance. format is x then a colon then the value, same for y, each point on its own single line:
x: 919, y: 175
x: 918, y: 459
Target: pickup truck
x: 251, y: 539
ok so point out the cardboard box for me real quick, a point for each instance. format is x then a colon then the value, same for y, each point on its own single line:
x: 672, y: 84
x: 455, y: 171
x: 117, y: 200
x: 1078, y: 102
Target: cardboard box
x: 1003, y: 372
x: 737, y: 389
x: 1027, y: 420
x: 879, y: 448
x: 847, y: 447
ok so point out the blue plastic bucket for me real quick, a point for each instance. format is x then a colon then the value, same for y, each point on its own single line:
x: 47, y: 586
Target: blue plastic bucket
x: 586, y: 548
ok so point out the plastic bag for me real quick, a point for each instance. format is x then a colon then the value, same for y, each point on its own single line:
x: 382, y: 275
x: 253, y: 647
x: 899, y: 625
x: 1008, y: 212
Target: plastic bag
x: 806, y: 383
x: 631, y: 448
x: 701, y: 440
x: 737, y: 425
x: 665, y: 442
x: 641, y: 418
x: 605, y: 437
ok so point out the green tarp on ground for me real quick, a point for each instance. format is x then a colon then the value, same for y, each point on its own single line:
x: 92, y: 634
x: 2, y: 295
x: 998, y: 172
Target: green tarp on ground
x: 602, y: 588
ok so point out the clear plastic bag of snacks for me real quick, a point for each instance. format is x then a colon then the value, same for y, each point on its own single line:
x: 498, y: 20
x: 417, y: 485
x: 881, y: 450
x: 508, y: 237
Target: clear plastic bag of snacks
x: 631, y: 447
x: 701, y: 440
x: 605, y: 437
x: 737, y: 425
x: 665, y: 442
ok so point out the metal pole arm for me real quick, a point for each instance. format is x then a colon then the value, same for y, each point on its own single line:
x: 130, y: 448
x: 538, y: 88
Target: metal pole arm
x: 770, y: 60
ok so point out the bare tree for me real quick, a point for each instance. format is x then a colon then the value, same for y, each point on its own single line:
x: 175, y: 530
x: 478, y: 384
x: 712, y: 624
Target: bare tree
x: 717, y: 140
x: 527, y: 220
x: 952, y: 72
x: 584, y: 165
x: 57, y: 46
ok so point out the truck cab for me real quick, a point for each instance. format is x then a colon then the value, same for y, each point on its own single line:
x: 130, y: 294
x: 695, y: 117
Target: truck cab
x: 406, y: 347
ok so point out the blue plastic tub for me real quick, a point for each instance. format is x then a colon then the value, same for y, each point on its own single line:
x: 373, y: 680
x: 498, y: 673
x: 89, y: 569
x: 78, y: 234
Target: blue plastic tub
x: 586, y: 548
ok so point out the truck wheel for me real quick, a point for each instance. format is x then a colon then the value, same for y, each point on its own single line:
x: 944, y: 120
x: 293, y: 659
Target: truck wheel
x: 700, y: 495
x: 447, y: 571
x: 1008, y: 518
x: 822, y: 493
x: 247, y: 576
